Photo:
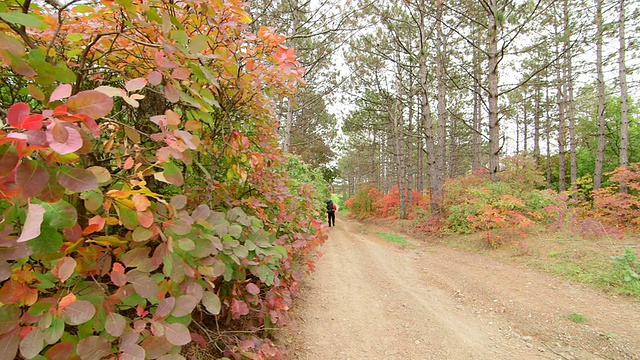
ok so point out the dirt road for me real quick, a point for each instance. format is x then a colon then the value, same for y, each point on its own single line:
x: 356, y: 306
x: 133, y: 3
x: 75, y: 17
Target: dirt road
x: 371, y: 299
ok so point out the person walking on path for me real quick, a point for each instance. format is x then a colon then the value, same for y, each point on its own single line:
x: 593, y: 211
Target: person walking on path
x: 331, y: 212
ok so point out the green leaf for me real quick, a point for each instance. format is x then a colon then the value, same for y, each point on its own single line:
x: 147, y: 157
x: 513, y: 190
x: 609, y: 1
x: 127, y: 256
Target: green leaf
x: 179, y: 36
x: 84, y: 9
x: 235, y: 230
x: 49, y: 240
x: 198, y: 43
x: 60, y: 214
x: 54, y: 332
x: 128, y: 216
x: 92, y: 200
x: 73, y: 37
x: 141, y: 234
x: 211, y: 302
x: 63, y: 74
x: 172, y: 174
x: 27, y: 20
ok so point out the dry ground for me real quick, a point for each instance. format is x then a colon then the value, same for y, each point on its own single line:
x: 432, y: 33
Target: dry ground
x: 372, y: 299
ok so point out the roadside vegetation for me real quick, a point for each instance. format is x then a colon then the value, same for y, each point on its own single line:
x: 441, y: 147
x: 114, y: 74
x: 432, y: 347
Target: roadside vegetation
x: 588, y: 237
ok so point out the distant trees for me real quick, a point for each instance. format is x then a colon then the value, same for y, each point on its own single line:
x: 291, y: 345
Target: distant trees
x: 481, y: 80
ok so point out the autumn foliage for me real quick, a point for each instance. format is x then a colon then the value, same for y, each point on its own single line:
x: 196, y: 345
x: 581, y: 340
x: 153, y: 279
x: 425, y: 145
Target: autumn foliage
x: 144, y: 202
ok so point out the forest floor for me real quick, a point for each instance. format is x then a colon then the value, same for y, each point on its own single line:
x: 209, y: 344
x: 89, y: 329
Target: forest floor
x: 374, y: 299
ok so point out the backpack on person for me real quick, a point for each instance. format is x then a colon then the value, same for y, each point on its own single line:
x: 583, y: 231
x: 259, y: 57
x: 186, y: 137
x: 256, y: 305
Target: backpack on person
x: 331, y: 207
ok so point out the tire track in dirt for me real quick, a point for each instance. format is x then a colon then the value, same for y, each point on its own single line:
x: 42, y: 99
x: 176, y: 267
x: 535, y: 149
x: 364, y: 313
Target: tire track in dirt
x: 370, y: 299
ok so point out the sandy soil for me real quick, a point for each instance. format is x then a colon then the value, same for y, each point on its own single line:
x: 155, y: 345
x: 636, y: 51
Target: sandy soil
x: 371, y: 299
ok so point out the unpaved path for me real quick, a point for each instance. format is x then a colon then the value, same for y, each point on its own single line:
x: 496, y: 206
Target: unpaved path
x: 371, y: 299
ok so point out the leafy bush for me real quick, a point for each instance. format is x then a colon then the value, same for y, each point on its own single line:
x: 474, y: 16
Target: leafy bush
x: 362, y: 205
x: 389, y: 204
x: 144, y: 201
x: 627, y: 271
x: 616, y: 208
x: 474, y: 203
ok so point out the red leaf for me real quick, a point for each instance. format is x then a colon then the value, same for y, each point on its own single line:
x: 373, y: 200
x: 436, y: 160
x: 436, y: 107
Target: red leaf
x: 177, y: 334
x: 63, y: 91
x: 17, y: 113
x: 9, y: 319
x: 253, y: 289
x: 238, y: 308
x: 165, y: 307
x: 31, y: 177
x: 154, y: 77
x: 8, y: 160
x: 64, y: 138
x: 31, y: 228
x: 77, y: 180
x: 60, y: 351
x: 184, y: 305
x: 12, y: 291
x: 93, y: 348
x: 73, y: 233
x: 115, y: 324
x: 117, y: 275
x: 181, y: 73
x: 91, y: 102
x: 78, y: 312
x: 32, y: 122
x: 144, y: 285
x: 32, y: 344
x: 171, y: 93
x: 9, y: 345
x: 135, y: 84
x: 64, y: 268
x: 96, y: 223
x: 132, y: 352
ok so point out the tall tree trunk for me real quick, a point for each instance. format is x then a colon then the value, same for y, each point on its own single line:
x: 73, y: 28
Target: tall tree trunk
x: 286, y: 146
x: 517, y: 134
x: 398, y: 145
x: 425, y: 113
x: 442, y: 105
x: 295, y: 23
x: 561, y: 102
x: 570, y: 101
x: 525, y: 128
x: 494, y: 59
x: 624, y: 96
x: 548, y: 137
x: 562, y: 137
x: 597, y: 176
x: 476, y: 136
x: 420, y: 156
x: 536, y: 126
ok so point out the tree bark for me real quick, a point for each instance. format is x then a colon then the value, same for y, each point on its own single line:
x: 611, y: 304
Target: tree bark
x: 492, y: 71
x: 442, y: 105
x: 624, y: 96
x: 597, y: 176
